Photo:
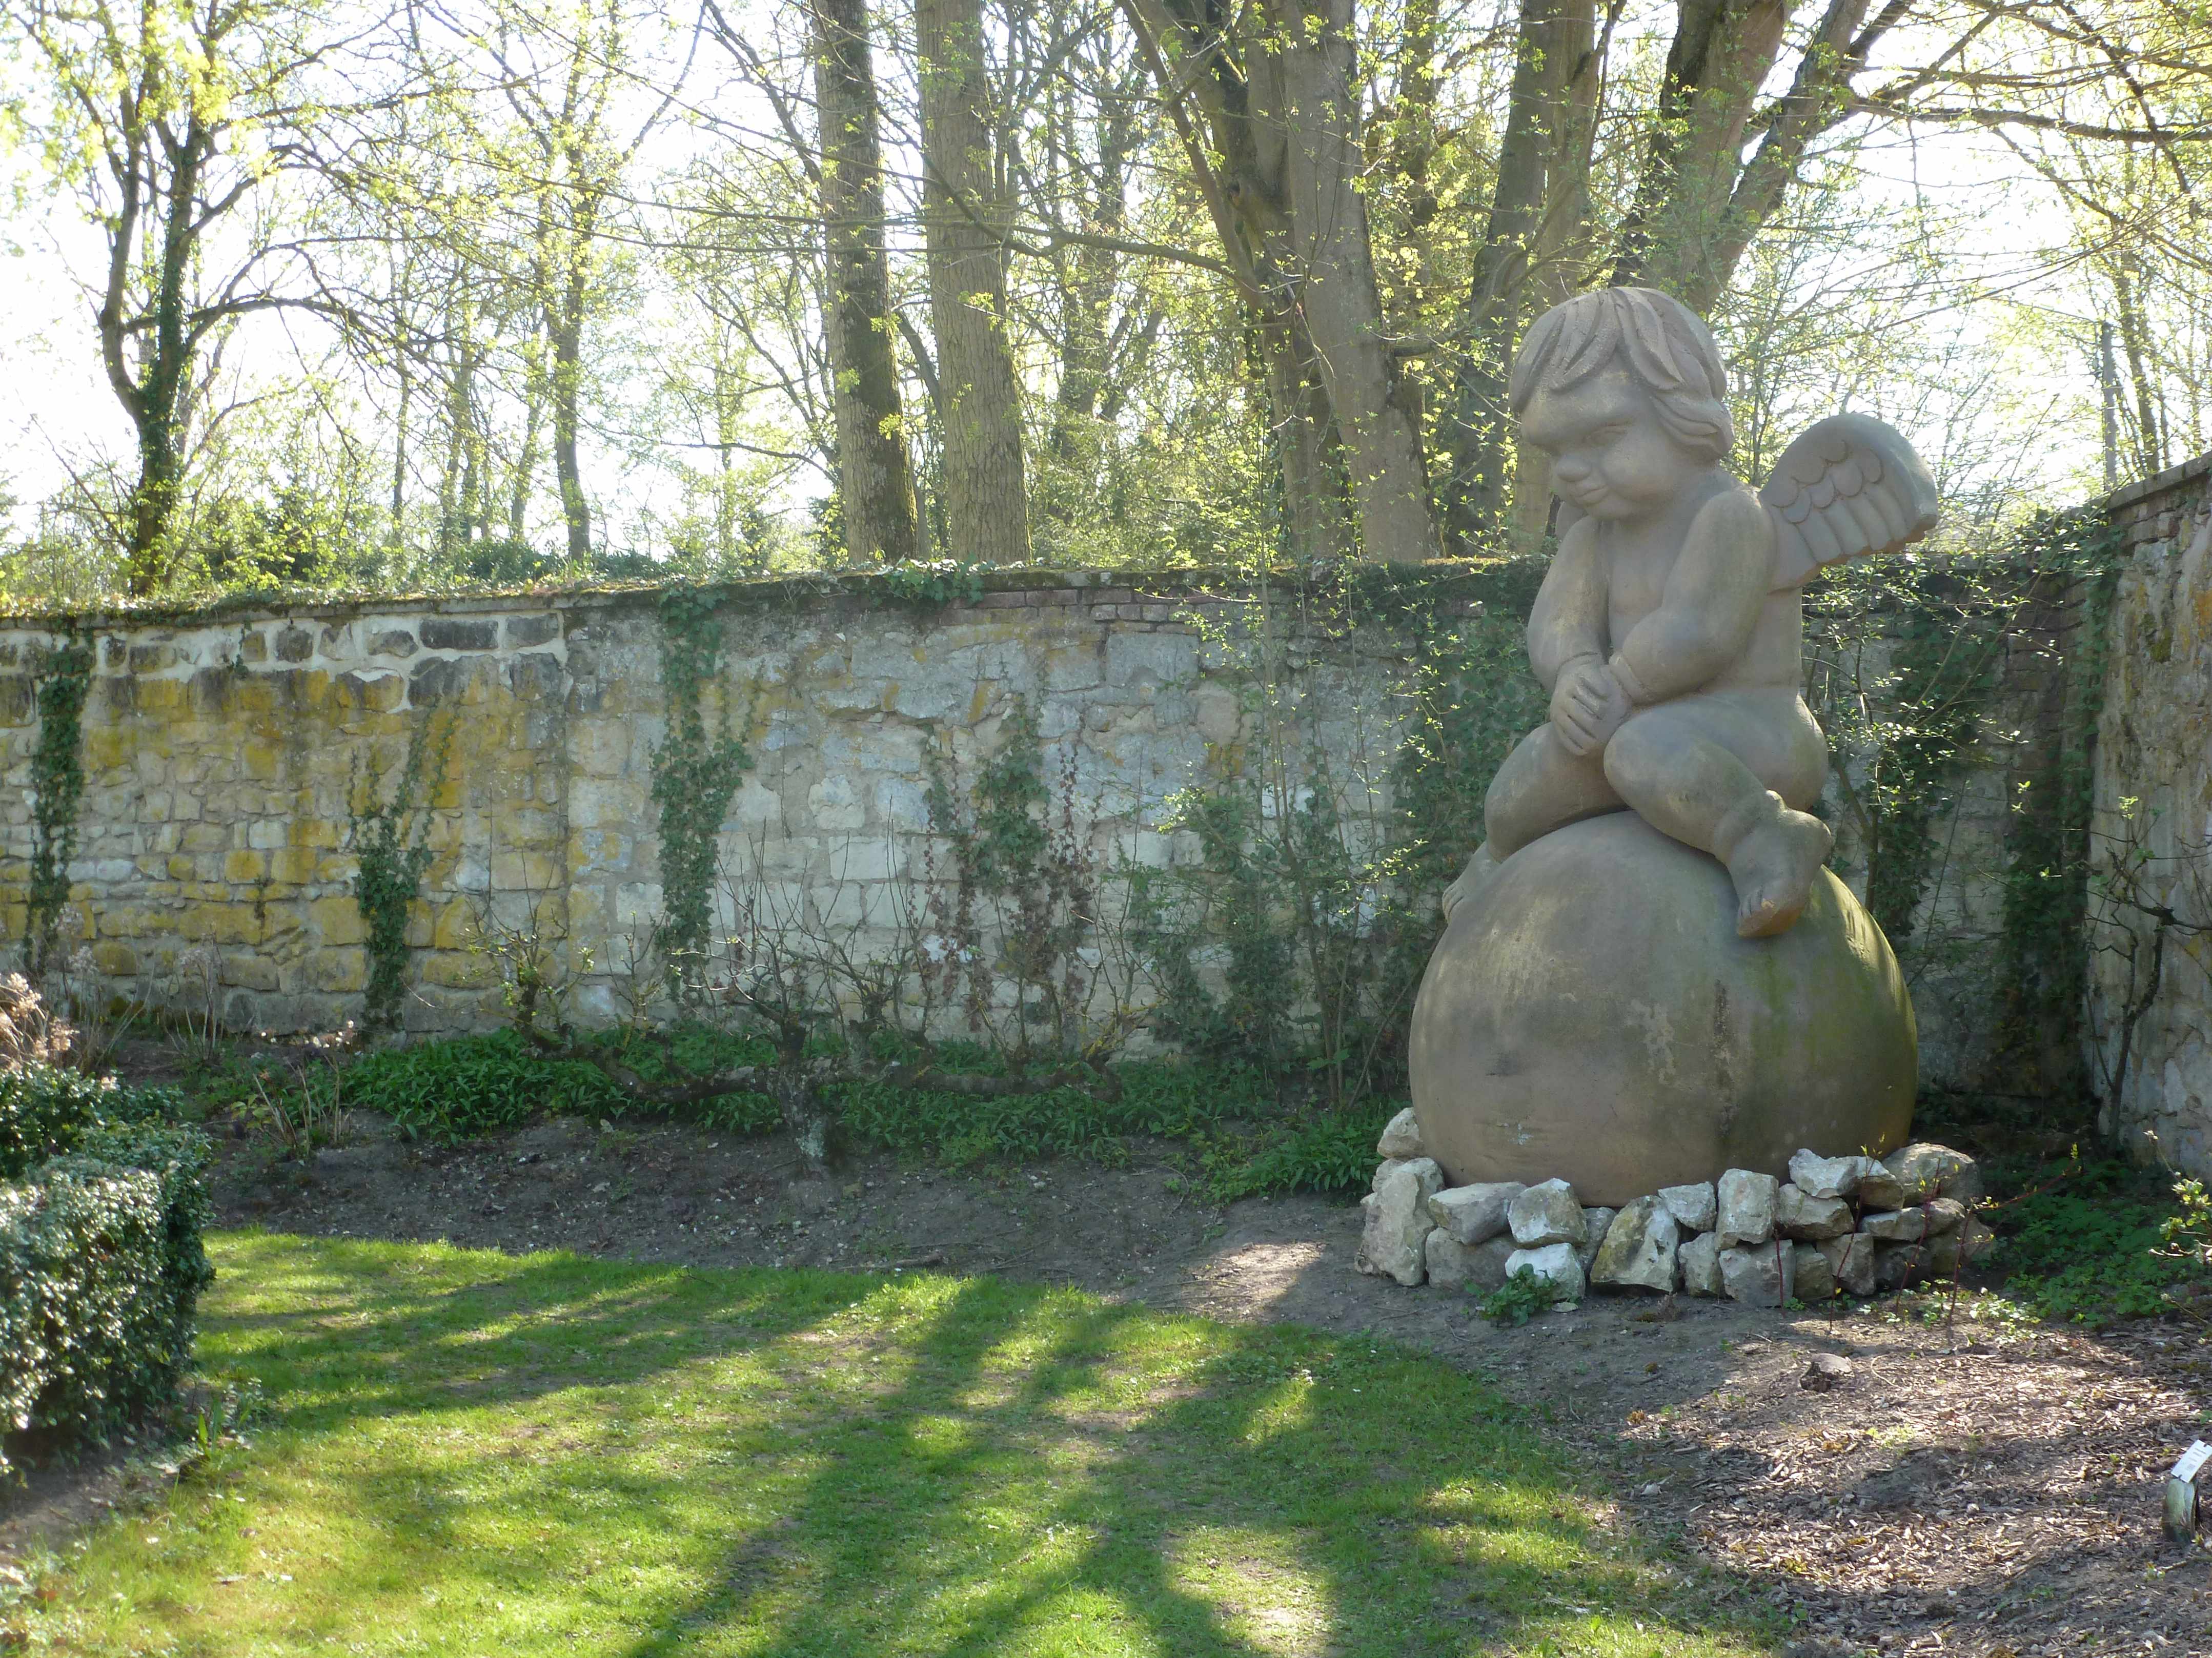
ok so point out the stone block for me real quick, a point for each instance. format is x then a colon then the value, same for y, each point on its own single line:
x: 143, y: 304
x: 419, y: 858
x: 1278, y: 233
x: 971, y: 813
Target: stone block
x: 532, y: 629
x: 1457, y: 1265
x: 1596, y: 1219
x: 1639, y: 1248
x: 1827, y: 1177
x: 1545, y: 1214
x: 1401, y: 1138
x: 1474, y: 1214
x: 1896, y: 1265
x: 453, y: 633
x: 1802, y: 1216
x: 1814, y: 1279
x: 1394, y: 1241
x: 1554, y: 1263
x: 1695, y: 1207
x: 1952, y: 1250
x: 391, y: 641
x: 1746, y: 1206
x: 1850, y: 1262
x: 1699, y: 1259
x: 1923, y: 1170
x: 1759, y: 1274
x: 1897, y: 1226
x: 294, y: 645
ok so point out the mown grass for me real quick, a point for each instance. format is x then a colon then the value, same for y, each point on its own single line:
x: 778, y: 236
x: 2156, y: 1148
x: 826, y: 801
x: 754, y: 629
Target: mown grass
x: 468, y: 1453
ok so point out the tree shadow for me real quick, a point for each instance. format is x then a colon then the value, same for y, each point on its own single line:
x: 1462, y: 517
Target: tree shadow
x: 977, y: 1459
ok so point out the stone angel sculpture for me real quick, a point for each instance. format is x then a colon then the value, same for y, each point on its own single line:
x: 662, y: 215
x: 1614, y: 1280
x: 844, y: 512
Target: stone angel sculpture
x: 1669, y: 631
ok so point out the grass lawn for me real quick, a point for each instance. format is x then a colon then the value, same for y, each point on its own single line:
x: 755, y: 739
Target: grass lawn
x: 474, y: 1453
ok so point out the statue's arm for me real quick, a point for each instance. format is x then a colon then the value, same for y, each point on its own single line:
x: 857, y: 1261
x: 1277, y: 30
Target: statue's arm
x: 1711, y: 604
x: 1569, y: 618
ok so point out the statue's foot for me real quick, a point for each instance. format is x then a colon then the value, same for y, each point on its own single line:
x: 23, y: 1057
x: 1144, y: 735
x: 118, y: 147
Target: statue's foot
x: 1471, y: 880
x: 1773, y: 867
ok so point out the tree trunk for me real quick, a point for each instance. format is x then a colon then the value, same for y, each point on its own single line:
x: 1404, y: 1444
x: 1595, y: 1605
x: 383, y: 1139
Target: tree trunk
x: 1675, y: 231
x: 564, y: 331
x: 1545, y: 58
x: 1307, y: 72
x: 876, y: 488
x: 979, y: 417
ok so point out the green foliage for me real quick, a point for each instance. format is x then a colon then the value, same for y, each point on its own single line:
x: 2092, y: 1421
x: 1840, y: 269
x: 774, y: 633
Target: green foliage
x: 460, y: 1088
x: 101, y: 1262
x: 46, y: 1110
x: 1297, y: 940
x: 1520, y: 1298
x: 457, y: 1088
x: 1171, y: 1101
x: 57, y: 788
x: 696, y: 773
x: 390, y: 842
x: 2099, y: 1245
x: 1328, y: 1151
x: 1022, y: 907
x: 930, y: 582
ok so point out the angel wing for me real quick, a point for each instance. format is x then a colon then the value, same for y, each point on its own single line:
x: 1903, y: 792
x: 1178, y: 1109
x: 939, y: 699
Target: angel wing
x: 1850, y: 486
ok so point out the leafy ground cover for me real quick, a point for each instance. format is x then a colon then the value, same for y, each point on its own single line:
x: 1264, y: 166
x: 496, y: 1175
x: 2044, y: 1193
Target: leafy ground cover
x: 2086, y: 1243
x: 452, y: 1090
x: 468, y: 1452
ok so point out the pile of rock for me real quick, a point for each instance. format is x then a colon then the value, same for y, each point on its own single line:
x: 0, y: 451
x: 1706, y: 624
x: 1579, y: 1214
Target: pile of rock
x: 1857, y: 1225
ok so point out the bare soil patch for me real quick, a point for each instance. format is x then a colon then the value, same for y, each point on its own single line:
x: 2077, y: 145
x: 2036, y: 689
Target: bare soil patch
x: 1972, y: 1487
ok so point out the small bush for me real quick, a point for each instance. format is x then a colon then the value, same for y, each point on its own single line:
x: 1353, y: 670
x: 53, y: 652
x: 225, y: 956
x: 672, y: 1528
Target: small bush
x: 1332, y: 1152
x: 1520, y: 1298
x: 101, y: 1262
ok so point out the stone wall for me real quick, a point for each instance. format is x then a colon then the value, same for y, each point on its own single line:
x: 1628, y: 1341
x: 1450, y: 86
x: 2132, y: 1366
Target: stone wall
x: 221, y: 752
x: 2154, y: 823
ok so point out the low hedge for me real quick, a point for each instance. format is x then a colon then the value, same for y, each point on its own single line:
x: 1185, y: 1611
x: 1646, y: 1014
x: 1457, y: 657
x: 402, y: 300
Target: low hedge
x: 101, y: 1261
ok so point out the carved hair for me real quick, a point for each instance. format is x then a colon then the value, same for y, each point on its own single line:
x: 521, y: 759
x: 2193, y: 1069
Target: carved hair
x: 1663, y: 344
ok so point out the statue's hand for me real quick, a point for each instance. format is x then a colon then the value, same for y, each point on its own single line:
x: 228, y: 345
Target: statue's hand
x: 1587, y: 705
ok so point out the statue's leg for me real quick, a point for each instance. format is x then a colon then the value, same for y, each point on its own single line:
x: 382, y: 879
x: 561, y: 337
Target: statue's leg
x: 1541, y: 787
x: 1705, y: 770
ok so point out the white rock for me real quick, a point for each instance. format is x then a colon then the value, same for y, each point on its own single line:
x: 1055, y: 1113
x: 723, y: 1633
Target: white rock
x: 1384, y: 1169
x: 1474, y: 1214
x: 1827, y: 1177
x: 1850, y: 1262
x: 1699, y: 1259
x: 1402, y: 1139
x: 1394, y: 1242
x: 1814, y: 1279
x: 1899, y: 1226
x: 1639, y: 1248
x: 1457, y: 1265
x: 1944, y: 1215
x: 1595, y: 1221
x: 1545, y: 1214
x: 1694, y: 1208
x: 1746, y: 1207
x: 1971, y: 1239
x: 1760, y: 1275
x: 1924, y: 1170
x: 1802, y: 1216
x: 1555, y: 1263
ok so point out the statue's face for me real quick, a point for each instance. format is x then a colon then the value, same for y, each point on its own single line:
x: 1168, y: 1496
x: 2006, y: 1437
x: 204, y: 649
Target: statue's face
x: 1611, y: 455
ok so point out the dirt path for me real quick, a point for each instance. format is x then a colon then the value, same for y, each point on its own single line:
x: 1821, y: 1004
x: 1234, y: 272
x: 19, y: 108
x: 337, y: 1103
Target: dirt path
x: 1971, y: 1489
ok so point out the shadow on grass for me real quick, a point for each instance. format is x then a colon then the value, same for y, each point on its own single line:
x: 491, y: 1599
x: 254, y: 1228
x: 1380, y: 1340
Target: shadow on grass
x: 666, y: 1460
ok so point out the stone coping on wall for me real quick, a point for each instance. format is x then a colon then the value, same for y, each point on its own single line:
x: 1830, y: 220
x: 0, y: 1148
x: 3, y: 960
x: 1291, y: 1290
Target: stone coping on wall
x: 2158, y: 483
x: 994, y: 588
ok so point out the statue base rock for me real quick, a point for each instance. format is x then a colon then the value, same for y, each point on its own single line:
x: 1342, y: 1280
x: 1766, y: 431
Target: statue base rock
x: 1590, y: 1014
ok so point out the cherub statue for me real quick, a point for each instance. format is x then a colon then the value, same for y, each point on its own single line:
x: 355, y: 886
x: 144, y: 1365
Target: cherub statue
x: 1668, y: 630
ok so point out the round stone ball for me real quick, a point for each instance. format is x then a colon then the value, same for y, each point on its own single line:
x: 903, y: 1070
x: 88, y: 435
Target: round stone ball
x: 1590, y: 1014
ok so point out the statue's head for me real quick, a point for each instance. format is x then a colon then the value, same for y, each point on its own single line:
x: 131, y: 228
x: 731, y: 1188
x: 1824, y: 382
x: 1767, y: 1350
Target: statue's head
x: 1652, y: 342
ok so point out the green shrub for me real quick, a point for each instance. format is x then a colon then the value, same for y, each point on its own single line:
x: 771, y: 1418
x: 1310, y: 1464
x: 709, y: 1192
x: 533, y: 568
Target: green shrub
x: 2092, y: 1249
x: 457, y: 1088
x: 101, y: 1262
x: 1332, y: 1152
x: 1521, y: 1297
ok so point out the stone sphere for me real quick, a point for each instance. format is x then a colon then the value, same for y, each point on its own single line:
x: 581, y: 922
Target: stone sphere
x: 1591, y: 1015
